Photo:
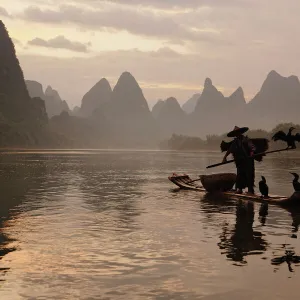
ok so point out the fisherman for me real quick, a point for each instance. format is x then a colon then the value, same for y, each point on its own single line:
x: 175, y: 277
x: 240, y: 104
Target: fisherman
x: 242, y: 150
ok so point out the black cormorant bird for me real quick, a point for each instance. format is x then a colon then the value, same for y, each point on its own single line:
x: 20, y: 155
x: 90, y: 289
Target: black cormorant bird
x: 288, y: 138
x: 296, y: 183
x: 263, y: 187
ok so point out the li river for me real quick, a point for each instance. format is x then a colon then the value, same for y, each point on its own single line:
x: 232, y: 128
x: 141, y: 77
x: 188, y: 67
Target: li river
x: 110, y: 225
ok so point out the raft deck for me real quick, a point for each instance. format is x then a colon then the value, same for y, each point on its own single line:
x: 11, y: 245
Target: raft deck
x: 185, y: 182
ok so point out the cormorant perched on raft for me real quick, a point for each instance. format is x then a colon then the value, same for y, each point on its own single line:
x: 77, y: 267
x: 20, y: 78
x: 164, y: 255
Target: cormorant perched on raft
x: 296, y: 183
x: 263, y: 187
x: 288, y: 138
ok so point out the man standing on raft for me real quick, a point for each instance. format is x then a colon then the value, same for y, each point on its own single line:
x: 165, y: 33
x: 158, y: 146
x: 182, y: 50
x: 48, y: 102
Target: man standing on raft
x: 242, y: 150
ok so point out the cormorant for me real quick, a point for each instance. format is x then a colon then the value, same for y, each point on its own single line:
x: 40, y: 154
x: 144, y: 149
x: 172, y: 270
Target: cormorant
x: 263, y: 187
x: 296, y: 183
x: 288, y: 138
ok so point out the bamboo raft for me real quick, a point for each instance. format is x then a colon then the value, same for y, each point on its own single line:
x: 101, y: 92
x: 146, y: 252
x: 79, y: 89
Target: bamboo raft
x: 223, y: 184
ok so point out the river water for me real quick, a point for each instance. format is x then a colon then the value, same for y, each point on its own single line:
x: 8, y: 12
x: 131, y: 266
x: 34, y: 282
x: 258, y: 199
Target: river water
x: 110, y: 225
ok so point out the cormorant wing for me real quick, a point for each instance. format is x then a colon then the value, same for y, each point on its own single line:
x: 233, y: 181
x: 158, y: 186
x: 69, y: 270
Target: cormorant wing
x: 280, y: 135
x: 261, y: 145
x: 297, y: 137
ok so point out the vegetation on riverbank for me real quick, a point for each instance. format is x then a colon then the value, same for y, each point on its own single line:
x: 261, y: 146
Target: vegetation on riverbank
x: 212, y: 142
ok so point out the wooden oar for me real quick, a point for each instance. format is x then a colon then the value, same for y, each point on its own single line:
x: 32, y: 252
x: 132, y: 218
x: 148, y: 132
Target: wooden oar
x: 257, y: 154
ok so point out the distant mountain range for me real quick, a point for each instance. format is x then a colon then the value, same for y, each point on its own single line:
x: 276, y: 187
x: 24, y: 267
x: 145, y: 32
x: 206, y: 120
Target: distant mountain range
x: 120, y: 116
x: 278, y: 101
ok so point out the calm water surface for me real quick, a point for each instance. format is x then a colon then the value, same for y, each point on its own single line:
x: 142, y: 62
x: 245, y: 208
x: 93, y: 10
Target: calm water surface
x: 109, y: 225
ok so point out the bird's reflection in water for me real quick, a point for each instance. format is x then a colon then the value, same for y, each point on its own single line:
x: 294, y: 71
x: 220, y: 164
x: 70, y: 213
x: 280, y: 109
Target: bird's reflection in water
x: 263, y: 212
x: 289, y: 257
x: 241, y: 241
x: 295, y: 215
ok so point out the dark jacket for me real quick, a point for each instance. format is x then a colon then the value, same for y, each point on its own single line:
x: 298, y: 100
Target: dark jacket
x: 241, y: 148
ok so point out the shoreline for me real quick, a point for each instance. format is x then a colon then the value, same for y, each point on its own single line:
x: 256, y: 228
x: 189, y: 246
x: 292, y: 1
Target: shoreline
x: 77, y: 150
x: 2, y: 150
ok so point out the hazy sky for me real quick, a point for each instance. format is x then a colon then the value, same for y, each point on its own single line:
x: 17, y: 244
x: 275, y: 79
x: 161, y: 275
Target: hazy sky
x: 169, y: 46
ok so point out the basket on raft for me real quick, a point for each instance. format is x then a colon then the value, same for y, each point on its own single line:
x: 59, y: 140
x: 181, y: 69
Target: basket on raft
x: 221, y: 182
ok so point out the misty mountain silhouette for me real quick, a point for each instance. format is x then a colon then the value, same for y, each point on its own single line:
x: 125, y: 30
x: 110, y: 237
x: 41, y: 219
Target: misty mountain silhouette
x: 35, y: 89
x: 277, y: 101
x: 76, y: 111
x: 170, y: 117
x: 128, y: 97
x: 128, y: 112
x: 214, y: 111
x: 21, y: 117
x: 54, y: 104
x: 157, y: 107
x: 100, y: 93
x: 210, y: 101
x: 237, y: 98
x: 190, y: 104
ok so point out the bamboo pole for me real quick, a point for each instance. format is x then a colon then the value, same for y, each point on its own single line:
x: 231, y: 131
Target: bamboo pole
x: 257, y: 154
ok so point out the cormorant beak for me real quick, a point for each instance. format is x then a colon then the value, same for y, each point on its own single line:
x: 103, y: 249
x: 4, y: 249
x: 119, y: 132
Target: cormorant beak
x: 295, y: 175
